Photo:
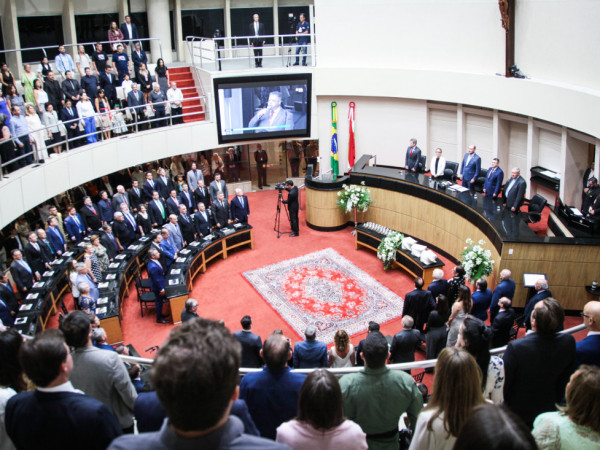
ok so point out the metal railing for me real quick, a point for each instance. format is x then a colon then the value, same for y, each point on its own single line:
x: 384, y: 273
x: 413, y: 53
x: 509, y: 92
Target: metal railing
x: 403, y: 366
x: 212, y: 51
x: 93, y: 44
x: 135, y: 125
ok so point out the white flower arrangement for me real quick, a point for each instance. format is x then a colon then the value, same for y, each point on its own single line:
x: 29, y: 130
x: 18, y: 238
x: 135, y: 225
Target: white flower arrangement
x: 476, y: 260
x: 386, y: 251
x: 354, y: 196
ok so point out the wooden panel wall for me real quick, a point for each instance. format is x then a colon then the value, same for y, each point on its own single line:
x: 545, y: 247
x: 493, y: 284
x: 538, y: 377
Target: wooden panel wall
x: 321, y: 210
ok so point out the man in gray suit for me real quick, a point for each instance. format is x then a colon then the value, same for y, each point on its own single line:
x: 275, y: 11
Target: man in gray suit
x: 193, y: 176
x: 274, y: 117
x: 120, y: 197
x: 514, y: 190
x: 175, y: 232
x: 217, y: 186
x: 99, y: 373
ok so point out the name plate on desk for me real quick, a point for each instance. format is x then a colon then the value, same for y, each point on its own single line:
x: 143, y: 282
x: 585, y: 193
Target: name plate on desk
x: 68, y: 254
x: 120, y: 257
x: 133, y: 247
x: 111, y: 276
x: 26, y: 307
x: 144, y: 239
x: 32, y: 296
x: 227, y: 231
x: 39, y: 284
x: 181, y: 260
x: 173, y: 282
x: 175, y: 271
x: 184, y: 252
x: 114, y: 265
x: 21, y: 320
x: 56, y: 262
x: 194, y: 244
x: 103, y: 301
x: 48, y: 273
x: 101, y: 311
x: 103, y: 285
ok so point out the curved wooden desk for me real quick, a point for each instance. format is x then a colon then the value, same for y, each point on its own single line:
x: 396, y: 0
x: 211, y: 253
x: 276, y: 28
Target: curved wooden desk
x: 418, y: 206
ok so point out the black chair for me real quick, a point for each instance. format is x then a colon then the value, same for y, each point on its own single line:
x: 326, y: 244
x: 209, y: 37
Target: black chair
x: 422, y: 166
x: 514, y: 332
x: 450, y: 171
x: 146, y: 283
x: 147, y: 299
x: 535, y: 207
x: 480, y: 181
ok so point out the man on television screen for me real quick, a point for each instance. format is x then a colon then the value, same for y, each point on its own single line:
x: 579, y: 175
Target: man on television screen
x: 274, y: 117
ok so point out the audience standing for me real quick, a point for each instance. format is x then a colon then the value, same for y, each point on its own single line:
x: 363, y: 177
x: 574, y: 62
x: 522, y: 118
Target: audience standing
x: 588, y: 349
x: 405, y: 342
x: 439, y: 285
x: 310, y: 352
x: 418, y: 304
x: 460, y: 309
x: 251, y: 344
x: 503, y: 324
x: 482, y: 299
x: 341, y: 353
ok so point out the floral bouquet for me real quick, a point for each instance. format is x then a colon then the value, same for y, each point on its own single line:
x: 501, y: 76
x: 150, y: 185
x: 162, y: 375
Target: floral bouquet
x: 386, y: 251
x: 476, y: 260
x: 354, y: 196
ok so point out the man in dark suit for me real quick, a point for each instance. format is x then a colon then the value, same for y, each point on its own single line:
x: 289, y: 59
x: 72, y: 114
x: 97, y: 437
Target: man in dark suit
x: 105, y: 206
x: 172, y: 202
x: 418, y: 304
x: 164, y: 183
x: 493, y: 180
x: 257, y: 29
x: 135, y: 196
x: 373, y: 326
x: 503, y: 323
x: 74, y: 226
x: 186, y: 197
x: 90, y: 84
x: 157, y: 210
x: 90, y: 214
x: 124, y: 234
x: 310, y: 352
x: 55, y: 237
x: 21, y: 272
x: 240, y: 209
x: 109, y: 242
x: 470, y: 167
x: 541, y: 292
x: 506, y: 288
x: 70, y: 118
x: 55, y: 410
x: 588, y: 349
x: 275, y: 117
x: 54, y: 91
x: 156, y: 241
x: 135, y: 99
x: 120, y: 198
x: 71, y: 87
x: 37, y: 255
x: 216, y: 186
x: 514, y: 190
x: 201, y: 194
x: 220, y: 210
x: 413, y: 156
x: 439, y: 285
x: 251, y: 344
x: 168, y: 248
x: 186, y: 224
x: 190, y: 310
x: 109, y: 83
x: 157, y: 280
x: 8, y: 296
x: 149, y: 186
x: 405, y: 342
x: 293, y: 207
x: 138, y: 57
x: 129, y: 30
x: 262, y: 158
x: 203, y: 220
x: 538, y: 366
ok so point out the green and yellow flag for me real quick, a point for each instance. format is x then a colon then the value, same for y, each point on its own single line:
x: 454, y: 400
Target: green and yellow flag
x: 334, y: 141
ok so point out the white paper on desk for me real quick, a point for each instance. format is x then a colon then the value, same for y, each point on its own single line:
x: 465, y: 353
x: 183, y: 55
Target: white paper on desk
x: 57, y: 261
x: 38, y: 284
x: 144, y: 239
x: 114, y: 265
x: 68, y: 254
x: 121, y: 257
x: 529, y: 279
x: 103, y: 300
x: 103, y: 285
x: 458, y: 188
x: 184, y: 251
x: 181, y: 260
x: 173, y: 282
x: 101, y: 310
x: 32, y: 296
x: 21, y: 320
x: 551, y: 174
x: 48, y: 273
x: 576, y: 212
x: 175, y: 271
x: 133, y: 247
x: 111, y: 276
x: 26, y: 307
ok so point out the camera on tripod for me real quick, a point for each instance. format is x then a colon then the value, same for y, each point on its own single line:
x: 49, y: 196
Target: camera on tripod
x: 280, y: 186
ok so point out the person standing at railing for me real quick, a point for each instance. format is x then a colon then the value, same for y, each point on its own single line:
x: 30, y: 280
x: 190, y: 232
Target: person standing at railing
x: 108, y: 83
x: 45, y: 67
x: 99, y: 60
x: 37, y: 133
x: 138, y: 57
x: 162, y: 75
x: 16, y: 99
x: 129, y: 30
x: 175, y: 97
x: 121, y: 64
x: 257, y: 29
x: 103, y: 109
x: 27, y: 80
x: 20, y: 131
x: 114, y: 35
x: 70, y: 116
x: 302, y: 30
x: 71, y: 88
x: 6, y: 78
x: 50, y: 120
x: 82, y: 60
x: 63, y: 61
x: 136, y: 100
x: 7, y: 148
x: 41, y: 97
x: 89, y: 84
x: 158, y: 99
x: 54, y: 91
x: 87, y: 113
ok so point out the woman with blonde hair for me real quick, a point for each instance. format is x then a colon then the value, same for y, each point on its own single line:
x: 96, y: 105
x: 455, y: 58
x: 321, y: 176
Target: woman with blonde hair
x: 217, y: 164
x: 103, y: 109
x: 82, y: 60
x: 27, y: 80
x: 576, y: 426
x: 456, y: 391
x: 37, y: 132
x: 342, y: 353
x: 100, y: 252
x: 460, y: 310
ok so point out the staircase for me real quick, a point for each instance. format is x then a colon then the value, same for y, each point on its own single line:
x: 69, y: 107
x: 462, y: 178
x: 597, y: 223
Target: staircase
x: 183, y: 77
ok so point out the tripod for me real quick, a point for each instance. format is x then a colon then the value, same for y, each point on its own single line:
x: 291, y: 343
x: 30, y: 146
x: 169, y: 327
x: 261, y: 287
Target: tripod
x: 291, y: 42
x: 277, y: 226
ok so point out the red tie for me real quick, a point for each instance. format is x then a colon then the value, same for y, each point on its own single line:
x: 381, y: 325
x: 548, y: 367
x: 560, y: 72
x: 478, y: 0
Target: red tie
x: 271, y: 117
x: 411, y: 150
x: 93, y: 210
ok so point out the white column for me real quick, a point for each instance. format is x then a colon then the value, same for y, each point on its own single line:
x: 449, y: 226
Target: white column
x: 68, y: 22
x: 158, y: 27
x: 179, y: 38
x: 461, y: 125
x: 276, y: 24
x: 564, y: 150
x: 228, y: 25
x: 123, y: 10
x: 10, y: 33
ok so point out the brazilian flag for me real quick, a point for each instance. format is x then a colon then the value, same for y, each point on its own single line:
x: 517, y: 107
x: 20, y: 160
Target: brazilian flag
x: 334, y: 141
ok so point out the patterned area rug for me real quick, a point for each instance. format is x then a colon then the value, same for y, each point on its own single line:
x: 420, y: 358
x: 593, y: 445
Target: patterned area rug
x: 326, y: 290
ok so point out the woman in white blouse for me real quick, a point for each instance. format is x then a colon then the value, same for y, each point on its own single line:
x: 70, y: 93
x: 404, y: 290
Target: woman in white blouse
x: 438, y: 164
x: 88, y: 115
x: 50, y: 119
x: 82, y: 60
x: 36, y: 132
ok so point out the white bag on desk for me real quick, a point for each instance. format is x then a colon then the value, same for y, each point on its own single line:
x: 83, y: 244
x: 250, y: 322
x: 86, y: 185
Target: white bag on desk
x: 428, y: 257
x: 407, y: 243
x: 417, y: 250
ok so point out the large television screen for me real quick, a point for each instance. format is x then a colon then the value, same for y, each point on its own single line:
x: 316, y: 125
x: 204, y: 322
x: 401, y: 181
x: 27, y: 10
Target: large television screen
x: 263, y: 107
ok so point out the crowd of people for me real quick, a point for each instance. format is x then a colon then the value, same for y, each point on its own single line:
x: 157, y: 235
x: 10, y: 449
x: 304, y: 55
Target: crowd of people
x: 77, y: 99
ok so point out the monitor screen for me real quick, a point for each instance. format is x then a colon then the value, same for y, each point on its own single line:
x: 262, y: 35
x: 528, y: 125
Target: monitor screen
x: 263, y: 107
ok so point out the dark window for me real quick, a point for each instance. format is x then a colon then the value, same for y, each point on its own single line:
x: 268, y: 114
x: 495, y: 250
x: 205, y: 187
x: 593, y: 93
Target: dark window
x: 37, y: 31
x: 2, y: 43
x: 286, y: 25
x: 202, y: 22
x: 241, y: 18
x: 172, y: 23
x: 140, y: 19
x: 94, y: 28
